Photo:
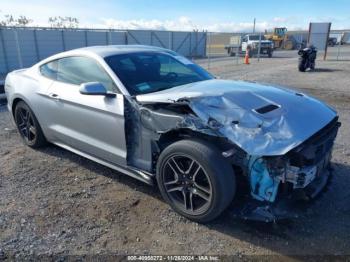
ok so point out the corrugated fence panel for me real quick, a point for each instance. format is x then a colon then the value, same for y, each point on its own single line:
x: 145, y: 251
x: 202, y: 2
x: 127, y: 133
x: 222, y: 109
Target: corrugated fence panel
x: 3, y: 66
x: 74, y: 39
x: 182, y: 43
x: 97, y: 38
x: 35, y: 44
x: 139, y: 37
x: 49, y: 42
x: 26, y: 39
x: 161, y: 39
x: 117, y: 38
x: 198, y: 43
x: 10, y: 49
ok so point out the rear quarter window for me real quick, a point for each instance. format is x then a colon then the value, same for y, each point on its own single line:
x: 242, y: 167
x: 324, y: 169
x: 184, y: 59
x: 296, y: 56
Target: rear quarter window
x: 49, y: 70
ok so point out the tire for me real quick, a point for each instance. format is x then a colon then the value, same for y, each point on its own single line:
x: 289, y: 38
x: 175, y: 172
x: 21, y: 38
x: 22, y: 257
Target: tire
x: 232, y: 53
x: 312, y: 66
x: 28, y: 126
x: 270, y: 54
x: 301, y: 66
x: 215, y: 178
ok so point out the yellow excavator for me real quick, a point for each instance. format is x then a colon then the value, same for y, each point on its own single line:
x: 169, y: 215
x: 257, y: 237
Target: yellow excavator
x: 281, y: 39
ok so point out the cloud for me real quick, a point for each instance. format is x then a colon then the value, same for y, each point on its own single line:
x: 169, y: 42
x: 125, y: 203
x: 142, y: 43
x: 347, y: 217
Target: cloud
x: 184, y: 23
x: 280, y: 19
x: 181, y: 24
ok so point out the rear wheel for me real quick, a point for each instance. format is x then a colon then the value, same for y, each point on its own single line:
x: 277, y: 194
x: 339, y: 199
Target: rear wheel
x: 312, y: 66
x: 28, y: 126
x: 195, y: 180
x: 302, y: 65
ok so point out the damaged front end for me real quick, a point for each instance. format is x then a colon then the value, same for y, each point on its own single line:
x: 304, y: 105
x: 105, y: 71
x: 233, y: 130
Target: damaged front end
x: 277, y: 140
x: 277, y: 183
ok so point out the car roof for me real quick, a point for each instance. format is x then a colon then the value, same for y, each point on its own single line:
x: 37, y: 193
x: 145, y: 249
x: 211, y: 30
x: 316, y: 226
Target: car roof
x: 105, y: 51
x: 108, y: 50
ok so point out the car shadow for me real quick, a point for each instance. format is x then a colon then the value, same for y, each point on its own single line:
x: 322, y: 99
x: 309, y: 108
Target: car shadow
x: 314, y: 232
x: 100, y: 169
x: 324, y: 70
x: 338, y: 60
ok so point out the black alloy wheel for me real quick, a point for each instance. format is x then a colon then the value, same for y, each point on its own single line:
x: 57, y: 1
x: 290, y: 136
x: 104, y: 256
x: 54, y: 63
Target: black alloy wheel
x: 28, y: 126
x: 187, y: 184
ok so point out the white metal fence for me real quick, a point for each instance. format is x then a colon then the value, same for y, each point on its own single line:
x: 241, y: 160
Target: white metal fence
x: 23, y: 47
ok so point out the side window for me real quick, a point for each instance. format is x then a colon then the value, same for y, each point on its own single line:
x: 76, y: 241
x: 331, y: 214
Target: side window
x: 77, y: 70
x: 49, y: 70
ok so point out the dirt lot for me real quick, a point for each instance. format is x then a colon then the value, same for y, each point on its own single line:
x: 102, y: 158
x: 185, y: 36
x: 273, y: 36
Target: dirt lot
x: 54, y: 202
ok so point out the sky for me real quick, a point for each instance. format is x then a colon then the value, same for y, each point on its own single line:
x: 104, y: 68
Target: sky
x: 210, y: 15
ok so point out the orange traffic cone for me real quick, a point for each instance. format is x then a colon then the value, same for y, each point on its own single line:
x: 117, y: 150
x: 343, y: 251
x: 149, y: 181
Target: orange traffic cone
x: 246, y: 57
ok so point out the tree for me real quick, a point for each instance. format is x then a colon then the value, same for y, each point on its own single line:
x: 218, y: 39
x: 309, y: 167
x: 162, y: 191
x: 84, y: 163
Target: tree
x: 23, y: 21
x: 63, y: 22
x: 10, y: 20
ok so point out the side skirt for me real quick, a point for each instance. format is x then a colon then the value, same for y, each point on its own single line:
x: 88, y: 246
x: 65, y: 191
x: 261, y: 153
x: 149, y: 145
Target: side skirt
x: 135, y: 173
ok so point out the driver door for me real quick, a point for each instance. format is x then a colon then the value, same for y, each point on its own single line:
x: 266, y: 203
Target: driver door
x: 91, y: 124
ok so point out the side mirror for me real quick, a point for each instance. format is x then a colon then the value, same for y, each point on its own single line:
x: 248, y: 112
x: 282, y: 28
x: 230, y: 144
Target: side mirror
x: 94, y: 89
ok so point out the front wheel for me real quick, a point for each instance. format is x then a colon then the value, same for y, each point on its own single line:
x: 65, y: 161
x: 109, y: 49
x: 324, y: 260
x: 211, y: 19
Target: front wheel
x: 28, y: 126
x: 195, y: 180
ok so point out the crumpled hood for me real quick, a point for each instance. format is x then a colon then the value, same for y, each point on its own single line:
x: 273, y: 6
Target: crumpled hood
x: 261, y: 119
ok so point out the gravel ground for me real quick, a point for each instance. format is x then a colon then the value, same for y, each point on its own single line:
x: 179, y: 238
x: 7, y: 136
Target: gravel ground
x: 54, y: 202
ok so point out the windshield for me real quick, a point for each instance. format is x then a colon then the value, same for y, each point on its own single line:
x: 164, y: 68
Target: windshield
x: 256, y: 37
x: 147, y: 72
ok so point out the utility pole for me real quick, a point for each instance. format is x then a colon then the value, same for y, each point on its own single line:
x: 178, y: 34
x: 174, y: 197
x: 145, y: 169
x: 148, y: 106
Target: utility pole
x: 254, y: 26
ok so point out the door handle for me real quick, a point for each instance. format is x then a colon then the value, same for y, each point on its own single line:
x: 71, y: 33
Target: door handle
x: 54, y: 96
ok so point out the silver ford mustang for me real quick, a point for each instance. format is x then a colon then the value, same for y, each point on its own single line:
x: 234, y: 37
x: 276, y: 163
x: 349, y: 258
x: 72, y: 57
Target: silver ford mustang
x: 158, y: 117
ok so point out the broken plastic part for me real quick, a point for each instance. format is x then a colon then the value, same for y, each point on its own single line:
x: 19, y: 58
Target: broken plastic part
x: 283, y: 208
x: 263, y: 186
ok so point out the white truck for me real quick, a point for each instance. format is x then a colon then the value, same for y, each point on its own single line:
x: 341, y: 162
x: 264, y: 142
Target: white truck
x: 239, y: 44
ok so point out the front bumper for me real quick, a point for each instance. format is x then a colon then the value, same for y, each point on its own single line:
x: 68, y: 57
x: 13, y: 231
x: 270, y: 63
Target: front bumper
x: 286, y: 207
x: 263, y: 50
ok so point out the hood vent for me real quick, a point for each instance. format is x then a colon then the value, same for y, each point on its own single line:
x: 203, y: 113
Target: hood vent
x: 266, y: 109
